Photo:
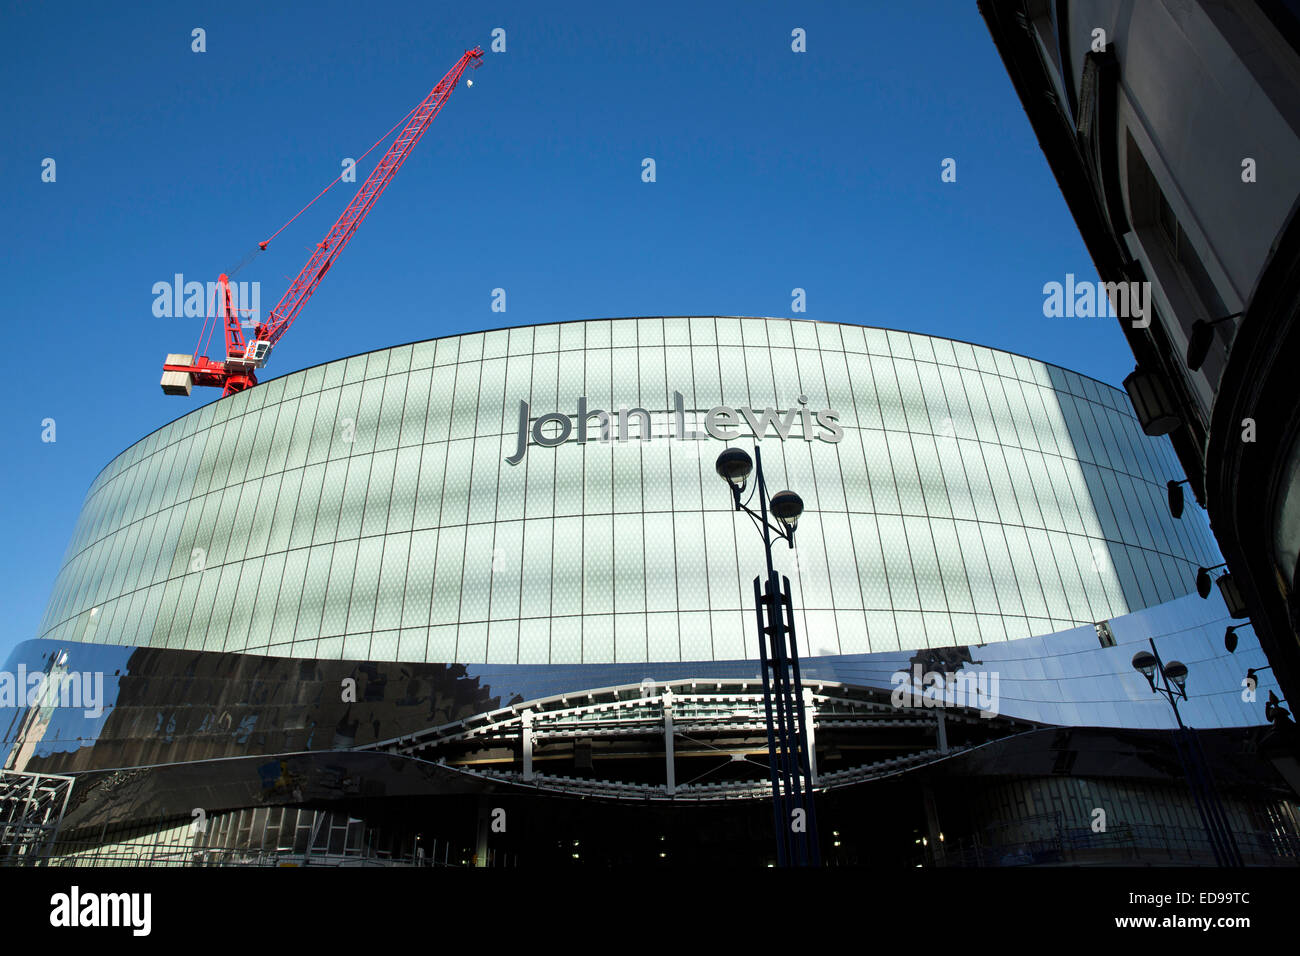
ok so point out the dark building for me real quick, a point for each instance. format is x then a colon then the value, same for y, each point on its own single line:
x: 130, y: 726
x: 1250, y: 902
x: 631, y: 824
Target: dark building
x: 1173, y: 130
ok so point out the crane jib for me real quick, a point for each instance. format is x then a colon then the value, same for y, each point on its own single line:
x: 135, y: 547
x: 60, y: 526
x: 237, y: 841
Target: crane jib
x: 182, y: 372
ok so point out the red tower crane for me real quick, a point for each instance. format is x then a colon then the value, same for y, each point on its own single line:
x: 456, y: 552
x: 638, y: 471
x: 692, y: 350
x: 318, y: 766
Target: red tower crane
x: 238, y: 371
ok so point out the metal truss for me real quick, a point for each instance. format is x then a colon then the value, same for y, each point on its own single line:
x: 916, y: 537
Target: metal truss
x: 716, y: 729
x: 31, y: 808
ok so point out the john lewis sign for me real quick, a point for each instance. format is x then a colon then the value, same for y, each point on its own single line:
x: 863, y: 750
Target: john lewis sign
x: 723, y: 422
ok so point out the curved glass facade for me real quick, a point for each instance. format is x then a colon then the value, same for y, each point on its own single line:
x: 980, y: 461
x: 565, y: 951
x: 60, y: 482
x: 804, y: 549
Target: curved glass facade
x: 546, y: 495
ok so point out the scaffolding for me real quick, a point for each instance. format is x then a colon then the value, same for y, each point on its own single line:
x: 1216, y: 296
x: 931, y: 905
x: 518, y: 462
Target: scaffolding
x: 31, y: 809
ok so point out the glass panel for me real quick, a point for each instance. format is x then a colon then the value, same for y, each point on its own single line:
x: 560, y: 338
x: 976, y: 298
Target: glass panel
x: 948, y: 550
x: 428, y: 496
x: 365, y: 584
x: 419, y: 578
x: 507, y: 565
x: 661, y: 571
x: 455, y: 494
x: 487, y: 465
x: 392, y: 582
x: 367, y: 427
x: 872, y: 575
x: 379, y: 489
x: 629, y: 564
x: 1004, y: 575
x: 464, y: 407
x: 406, y: 477
x: 536, y: 572
x: 476, y: 582
x: 898, y: 563
x: 630, y: 638
x: 447, y: 576
x: 315, y: 581
x: 598, y: 570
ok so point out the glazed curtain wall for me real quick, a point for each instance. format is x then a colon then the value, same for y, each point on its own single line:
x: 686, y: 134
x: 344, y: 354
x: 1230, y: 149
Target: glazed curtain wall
x: 364, y: 509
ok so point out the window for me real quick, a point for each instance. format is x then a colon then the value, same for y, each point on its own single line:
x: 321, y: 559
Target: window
x: 1149, y: 206
x: 1179, y: 248
x: 1175, y: 263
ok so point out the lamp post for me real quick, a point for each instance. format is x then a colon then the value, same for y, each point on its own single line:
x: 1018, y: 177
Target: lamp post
x: 1175, y: 489
x: 1172, y: 686
x: 794, y: 816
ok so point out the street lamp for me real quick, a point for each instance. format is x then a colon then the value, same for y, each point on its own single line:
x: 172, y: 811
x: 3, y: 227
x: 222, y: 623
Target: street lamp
x: 1202, y: 337
x: 1175, y: 489
x: 735, y: 466
x: 794, y: 817
x: 1274, y: 712
x: 1172, y: 685
x: 1231, y: 595
x: 1176, y: 671
x: 1228, y: 589
x: 787, y: 507
x: 1230, y: 637
x: 1204, y: 580
x: 1144, y: 662
x: 1157, y: 411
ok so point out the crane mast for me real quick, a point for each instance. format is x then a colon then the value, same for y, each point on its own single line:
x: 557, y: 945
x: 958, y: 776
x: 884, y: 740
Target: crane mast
x: 238, y: 371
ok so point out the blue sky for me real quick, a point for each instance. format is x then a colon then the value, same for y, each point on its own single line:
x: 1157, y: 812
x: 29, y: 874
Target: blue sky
x: 775, y: 170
